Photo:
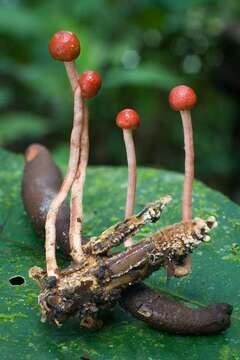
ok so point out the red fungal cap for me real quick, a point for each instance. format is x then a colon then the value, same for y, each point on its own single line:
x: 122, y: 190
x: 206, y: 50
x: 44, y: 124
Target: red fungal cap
x: 90, y: 83
x: 64, y: 46
x: 128, y: 119
x: 182, y: 98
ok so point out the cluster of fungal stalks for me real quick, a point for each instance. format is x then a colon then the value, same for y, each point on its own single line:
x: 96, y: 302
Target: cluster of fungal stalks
x: 97, y: 279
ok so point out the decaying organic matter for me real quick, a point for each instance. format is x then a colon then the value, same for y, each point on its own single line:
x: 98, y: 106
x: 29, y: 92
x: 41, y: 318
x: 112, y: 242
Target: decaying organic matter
x: 102, y: 280
x: 83, y: 289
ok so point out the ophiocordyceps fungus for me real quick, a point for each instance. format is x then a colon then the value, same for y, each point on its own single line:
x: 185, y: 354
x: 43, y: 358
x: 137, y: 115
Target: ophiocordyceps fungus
x: 149, y: 305
x: 128, y: 119
x: 90, y: 83
x: 182, y: 98
x: 104, y: 277
x: 64, y: 46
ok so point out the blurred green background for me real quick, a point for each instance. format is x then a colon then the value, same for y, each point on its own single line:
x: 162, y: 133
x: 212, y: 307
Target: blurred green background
x: 142, y: 48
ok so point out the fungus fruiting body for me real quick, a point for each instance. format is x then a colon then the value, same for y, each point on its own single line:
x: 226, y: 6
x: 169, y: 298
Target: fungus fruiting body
x: 76, y: 223
x: 90, y: 83
x: 128, y: 119
x: 63, y: 192
x: 98, y: 278
x: 183, y: 98
x: 65, y: 46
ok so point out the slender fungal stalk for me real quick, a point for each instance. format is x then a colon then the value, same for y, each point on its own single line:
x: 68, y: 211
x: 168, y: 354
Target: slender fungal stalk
x: 183, y: 98
x: 50, y: 244
x: 76, y: 213
x: 127, y: 120
x: 72, y: 74
x: 132, y: 177
x: 76, y: 218
x: 184, y: 269
x: 189, y: 165
x: 90, y: 83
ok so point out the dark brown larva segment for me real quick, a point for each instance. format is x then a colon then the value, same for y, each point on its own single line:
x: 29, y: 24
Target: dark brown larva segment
x: 41, y: 181
x: 164, y: 313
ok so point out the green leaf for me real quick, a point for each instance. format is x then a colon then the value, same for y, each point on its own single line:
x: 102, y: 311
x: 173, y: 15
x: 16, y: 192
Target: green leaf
x: 144, y: 75
x: 215, y: 276
x: 14, y: 126
x: 25, y: 22
x: 5, y: 96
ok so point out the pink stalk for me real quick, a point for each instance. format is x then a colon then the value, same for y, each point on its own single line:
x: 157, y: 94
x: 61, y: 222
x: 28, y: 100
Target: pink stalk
x: 189, y: 165
x: 90, y: 83
x: 184, y: 269
x: 76, y: 221
x: 65, y: 46
x: 182, y: 98
x: 76, y: 214
x: 72, y: 74
x: 132, y: 177
x: 128, y: 119
x: 50, y: 243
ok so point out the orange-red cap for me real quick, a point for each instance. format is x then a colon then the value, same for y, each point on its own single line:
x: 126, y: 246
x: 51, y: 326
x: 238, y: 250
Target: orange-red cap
x: 64, y: 46
x: 182, y: 97
x: 90, y: 82
x: 128, y: 119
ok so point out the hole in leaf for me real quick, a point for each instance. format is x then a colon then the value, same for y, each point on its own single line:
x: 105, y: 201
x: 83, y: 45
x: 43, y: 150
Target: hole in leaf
x: 17, y: 280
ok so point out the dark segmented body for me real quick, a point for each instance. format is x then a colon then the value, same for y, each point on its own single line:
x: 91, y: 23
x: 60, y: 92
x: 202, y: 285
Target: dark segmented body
x: 41, y: 182
x: 166, y: 314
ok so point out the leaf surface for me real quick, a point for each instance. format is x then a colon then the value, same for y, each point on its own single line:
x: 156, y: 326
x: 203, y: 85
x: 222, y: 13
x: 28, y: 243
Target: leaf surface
x: 215, y: 276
